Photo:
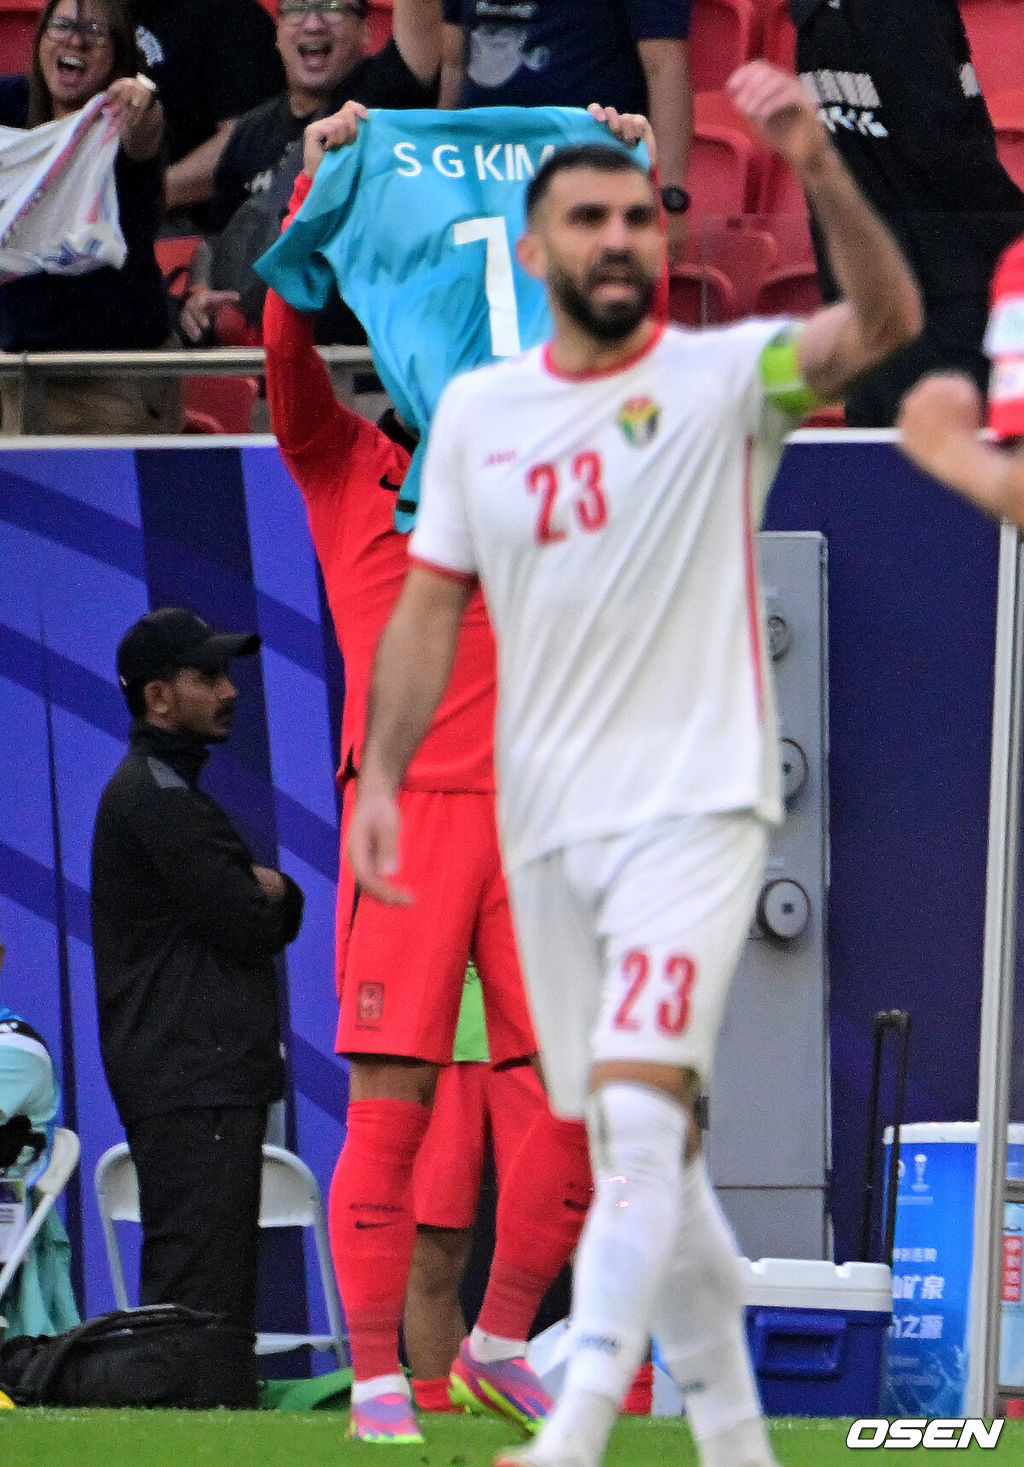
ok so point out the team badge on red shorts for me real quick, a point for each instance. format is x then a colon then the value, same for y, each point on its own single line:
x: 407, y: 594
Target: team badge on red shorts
x: 370, y: 1005
x: 638, y: 419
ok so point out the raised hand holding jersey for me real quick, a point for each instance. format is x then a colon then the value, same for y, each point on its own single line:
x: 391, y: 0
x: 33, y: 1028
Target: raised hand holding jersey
x: 416, y: 223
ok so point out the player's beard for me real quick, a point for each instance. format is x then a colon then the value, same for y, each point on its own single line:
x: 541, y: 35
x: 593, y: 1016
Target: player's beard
x: 613, y: 321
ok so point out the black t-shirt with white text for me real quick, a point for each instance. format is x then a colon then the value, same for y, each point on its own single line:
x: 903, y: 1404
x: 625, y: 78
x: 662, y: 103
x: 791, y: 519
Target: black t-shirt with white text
x: 260, y: 138
x: 900, y: 97
x: 210, y: 59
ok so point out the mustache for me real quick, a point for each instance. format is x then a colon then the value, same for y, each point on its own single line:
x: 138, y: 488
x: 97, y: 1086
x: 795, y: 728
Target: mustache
x: 617, y: 265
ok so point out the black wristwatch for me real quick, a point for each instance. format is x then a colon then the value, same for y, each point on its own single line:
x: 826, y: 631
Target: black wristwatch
x: 675, y: 200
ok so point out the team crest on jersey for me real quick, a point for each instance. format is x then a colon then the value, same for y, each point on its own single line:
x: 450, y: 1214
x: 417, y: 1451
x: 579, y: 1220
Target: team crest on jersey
x: 369, y: 1005
x: 638, y: 419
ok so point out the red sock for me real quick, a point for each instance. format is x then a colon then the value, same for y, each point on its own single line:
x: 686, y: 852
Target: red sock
x: 541, y: 1209
x: 372, y: 1226
x: 432, y: 1395
x: 640, y: 1396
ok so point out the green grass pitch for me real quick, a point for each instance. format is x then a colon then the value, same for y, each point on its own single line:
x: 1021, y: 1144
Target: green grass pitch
x: 51, y: 1438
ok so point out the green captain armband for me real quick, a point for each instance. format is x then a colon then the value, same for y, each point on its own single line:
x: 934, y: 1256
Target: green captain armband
x: 783, y: 385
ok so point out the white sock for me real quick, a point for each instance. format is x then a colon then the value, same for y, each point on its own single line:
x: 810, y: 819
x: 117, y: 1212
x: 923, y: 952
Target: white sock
x: 637, y: 1137
x: 488, y: 1348
x: 700, y: 1329
x: 380, y: 1385
x: 577, y: 1431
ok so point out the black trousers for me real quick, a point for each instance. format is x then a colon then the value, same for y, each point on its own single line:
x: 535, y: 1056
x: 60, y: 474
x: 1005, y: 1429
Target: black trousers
x: 199, y: 1198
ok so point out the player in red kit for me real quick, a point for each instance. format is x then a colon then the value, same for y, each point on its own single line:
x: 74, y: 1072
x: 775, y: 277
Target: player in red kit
x: 400, y: 971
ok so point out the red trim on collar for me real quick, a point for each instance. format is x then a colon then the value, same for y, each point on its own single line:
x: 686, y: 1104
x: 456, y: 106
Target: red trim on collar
x: 593, y: 374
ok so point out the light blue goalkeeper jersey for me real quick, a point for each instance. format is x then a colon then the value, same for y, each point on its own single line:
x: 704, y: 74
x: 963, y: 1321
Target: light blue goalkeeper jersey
x: 416, y: 223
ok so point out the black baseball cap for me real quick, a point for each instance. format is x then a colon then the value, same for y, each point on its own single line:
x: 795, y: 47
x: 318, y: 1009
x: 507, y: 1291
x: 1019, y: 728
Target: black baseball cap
x: 176, y: 637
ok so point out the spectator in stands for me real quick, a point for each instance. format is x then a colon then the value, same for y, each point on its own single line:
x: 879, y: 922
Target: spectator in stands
x: 902, y: 102
x: 323, y: 46
x: 212, y: 60
x: 83, y: 47
x: 627, y: 54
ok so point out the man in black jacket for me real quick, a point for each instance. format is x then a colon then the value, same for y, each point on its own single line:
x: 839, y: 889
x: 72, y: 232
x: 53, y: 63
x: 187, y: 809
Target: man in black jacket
x: 185, y: 930
x: 897, y: 90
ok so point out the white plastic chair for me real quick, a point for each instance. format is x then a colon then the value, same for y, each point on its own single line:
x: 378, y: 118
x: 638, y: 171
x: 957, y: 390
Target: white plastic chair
x: 48, y: 1187
x: 289, y: 1198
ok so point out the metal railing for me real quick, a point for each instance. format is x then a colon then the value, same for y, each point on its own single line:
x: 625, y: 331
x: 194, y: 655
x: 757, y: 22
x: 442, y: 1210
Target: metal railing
x: 31, y: 369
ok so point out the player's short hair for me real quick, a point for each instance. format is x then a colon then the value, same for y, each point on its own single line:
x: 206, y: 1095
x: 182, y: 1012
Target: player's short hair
x: 600, y: 157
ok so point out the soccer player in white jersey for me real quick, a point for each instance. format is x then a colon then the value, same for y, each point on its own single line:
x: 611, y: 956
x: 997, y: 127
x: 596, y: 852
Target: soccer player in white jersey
x: 604, y: 489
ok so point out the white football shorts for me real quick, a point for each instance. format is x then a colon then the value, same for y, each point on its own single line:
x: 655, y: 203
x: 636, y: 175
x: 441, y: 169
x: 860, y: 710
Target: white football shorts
x: 629, y: 943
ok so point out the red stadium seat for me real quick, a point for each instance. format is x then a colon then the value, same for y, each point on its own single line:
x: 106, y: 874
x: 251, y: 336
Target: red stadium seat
x: 791, y: 291
x: 741, y: 250
x: 1007, y: 109
x: 995, y: 29
x: 701, y: 295
x: 833, y: 416
x: 18, y: 22
x: 778, y: 37
x: 780, y: 190
x: 380, y: 23
x: 722, y: 35
x: 227, y: 401
x: 720, y: 170
x: 174, y: 256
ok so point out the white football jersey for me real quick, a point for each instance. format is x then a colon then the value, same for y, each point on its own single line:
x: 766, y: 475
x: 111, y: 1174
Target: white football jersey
x: 610, y: 518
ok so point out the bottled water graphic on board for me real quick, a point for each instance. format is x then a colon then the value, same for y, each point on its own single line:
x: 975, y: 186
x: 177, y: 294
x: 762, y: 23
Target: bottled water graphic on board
x: 927, y: 1355
x: 1011, y: 1339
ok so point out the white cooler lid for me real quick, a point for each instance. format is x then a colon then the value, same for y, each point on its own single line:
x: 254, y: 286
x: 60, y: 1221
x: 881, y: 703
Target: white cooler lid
x: 814, y: 1283
x: 961, y: 1132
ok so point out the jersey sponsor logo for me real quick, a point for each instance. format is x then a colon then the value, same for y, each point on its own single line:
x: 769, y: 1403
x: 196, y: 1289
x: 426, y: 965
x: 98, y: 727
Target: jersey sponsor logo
x: 369, y: 1005
x: 639, y: 418
x: 499, y: 456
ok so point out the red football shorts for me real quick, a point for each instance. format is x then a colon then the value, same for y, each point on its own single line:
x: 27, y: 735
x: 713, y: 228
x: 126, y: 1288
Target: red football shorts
x: 473, y: 1102
x: 401, y: 969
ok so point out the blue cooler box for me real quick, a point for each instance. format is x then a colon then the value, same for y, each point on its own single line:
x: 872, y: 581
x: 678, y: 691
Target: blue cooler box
x: 817, y: 1334
x: 927, y: 1358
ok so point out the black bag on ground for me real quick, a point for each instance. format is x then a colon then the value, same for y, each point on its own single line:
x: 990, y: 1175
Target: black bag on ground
x: 159, y: 1355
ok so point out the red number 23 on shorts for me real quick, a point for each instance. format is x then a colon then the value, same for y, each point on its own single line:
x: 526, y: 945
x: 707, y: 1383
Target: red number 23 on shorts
x: 677, y: 977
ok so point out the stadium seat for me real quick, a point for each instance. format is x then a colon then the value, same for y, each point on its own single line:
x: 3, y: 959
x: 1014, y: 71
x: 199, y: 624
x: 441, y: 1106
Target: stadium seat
x: 792, y: 290
x: 63, y: 1160
x: 722, y: 34
x: 18, y: 22
x: 225, y: 401
x: 780, y: 191
x: 720, y: 170
x: 1007, y: 110
x: 778, y: 37
x: 833, y: 416
x: 701, y: 295
x: 995, y: 29
x: 379, y: 16
x: 743, y: 251
x: 289, y: 1198
x: 175, y: 256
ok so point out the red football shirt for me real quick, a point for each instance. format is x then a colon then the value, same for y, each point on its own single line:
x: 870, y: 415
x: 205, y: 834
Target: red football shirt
x: 339, y: 461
